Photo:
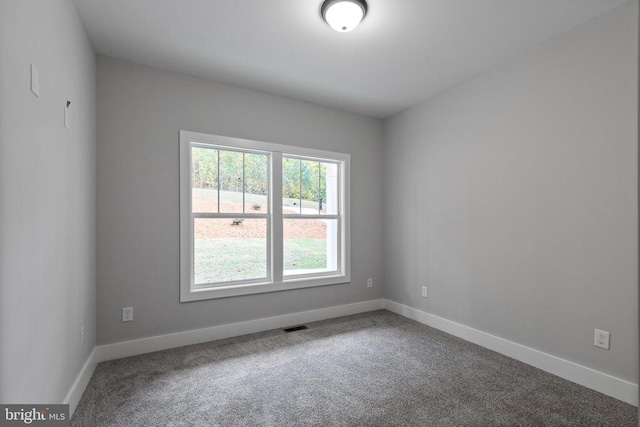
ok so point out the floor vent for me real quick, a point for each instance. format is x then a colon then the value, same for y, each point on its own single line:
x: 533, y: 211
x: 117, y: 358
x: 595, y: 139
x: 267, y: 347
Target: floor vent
x: 295, y: 328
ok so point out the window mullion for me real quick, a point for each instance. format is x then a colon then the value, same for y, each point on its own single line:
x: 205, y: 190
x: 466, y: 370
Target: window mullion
x: 300, y: 186
x: 244, y: 182
x: 218, y: 180
x: 275, y: 210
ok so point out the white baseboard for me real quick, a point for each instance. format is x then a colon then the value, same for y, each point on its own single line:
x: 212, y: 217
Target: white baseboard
x: 80, y: 384
x: 606, y: 384
x: 179, y: 339
x: 599, y: 381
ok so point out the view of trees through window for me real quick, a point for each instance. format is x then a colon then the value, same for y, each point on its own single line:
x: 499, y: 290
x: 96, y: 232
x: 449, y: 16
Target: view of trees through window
x: 235, y: 182
x: 220, y: 179
x: 304, y: 185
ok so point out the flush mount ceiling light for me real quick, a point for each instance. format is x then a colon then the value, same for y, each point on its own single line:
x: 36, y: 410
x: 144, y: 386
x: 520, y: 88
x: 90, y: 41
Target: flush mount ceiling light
x: 343, y: 15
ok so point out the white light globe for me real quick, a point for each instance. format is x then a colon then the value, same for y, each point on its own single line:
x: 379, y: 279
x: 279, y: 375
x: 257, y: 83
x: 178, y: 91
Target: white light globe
x: 344, y: 16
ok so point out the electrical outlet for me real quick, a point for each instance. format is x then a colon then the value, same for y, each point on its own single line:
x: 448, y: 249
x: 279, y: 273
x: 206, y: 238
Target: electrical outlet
x: 424, y: 292
x: 127, y: 314
x: 601, y: 339
x: 369, y: 282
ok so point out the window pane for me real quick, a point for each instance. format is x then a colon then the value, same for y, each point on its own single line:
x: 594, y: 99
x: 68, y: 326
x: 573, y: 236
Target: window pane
x: 204, y: 180
x: 231, y: 183
x: 310, y: 246
x: 256, y: 183
x: 310, y: 177
x: 226, y: 249
x: 329, y: 188
x: 290, y: 186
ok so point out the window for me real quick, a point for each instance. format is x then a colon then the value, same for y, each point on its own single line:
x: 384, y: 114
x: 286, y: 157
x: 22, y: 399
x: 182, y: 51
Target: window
x: 260, y: 217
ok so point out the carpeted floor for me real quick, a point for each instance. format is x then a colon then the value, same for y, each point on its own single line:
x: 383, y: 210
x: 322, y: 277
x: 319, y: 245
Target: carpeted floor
x: 372, y: 369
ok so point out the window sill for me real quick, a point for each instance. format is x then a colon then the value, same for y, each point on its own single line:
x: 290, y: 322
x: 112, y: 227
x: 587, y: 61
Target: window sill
x: 259, y: 288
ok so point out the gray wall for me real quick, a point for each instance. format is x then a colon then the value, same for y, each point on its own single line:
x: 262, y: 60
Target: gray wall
x: 140, y: 112
x: 47, y: 201
x: 513, y: 197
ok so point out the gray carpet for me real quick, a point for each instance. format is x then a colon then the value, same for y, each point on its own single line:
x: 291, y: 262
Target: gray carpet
x: 373, y: 369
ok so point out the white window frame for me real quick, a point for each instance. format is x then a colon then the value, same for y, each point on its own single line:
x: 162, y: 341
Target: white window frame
x: 275, y: 280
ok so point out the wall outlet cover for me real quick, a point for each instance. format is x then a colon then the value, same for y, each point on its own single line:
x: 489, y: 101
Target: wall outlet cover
x: 127, y: 314
x: 601, y: 339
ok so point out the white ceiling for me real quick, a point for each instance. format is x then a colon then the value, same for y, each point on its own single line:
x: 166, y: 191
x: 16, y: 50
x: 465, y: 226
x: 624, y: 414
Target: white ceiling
x: 403, y: 51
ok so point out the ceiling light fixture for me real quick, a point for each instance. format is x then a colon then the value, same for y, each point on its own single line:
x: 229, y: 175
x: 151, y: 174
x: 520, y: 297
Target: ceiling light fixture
x: 343, y: 15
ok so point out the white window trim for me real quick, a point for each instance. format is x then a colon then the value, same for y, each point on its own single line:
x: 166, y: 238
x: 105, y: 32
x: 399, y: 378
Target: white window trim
x: 279, y: 283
